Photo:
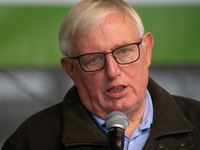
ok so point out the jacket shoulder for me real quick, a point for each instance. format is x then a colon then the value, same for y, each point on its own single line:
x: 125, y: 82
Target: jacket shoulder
x: 187, y: 105
x: 42, y: 127
x: 191, y: 110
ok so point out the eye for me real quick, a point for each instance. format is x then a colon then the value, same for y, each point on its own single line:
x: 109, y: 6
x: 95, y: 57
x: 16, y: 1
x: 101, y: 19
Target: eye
x: 123, y: 51
x: 95, y: 59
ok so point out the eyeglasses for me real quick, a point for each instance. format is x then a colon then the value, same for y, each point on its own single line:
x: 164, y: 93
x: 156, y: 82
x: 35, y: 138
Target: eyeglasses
x: 96, y: 61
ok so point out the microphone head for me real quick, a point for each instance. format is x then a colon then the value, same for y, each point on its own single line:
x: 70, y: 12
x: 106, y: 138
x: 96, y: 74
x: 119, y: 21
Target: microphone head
x: 116, y: 119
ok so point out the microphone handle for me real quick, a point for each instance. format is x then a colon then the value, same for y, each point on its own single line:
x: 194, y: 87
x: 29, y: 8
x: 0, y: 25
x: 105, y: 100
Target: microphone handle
x: 116, y: 139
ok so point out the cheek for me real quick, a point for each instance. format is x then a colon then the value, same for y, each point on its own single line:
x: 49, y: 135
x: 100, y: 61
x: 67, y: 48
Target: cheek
x: 81, y: 77
x: 137, y: 71
x: 87, y: 82
x: 138, y: 74
x: 89, y: 89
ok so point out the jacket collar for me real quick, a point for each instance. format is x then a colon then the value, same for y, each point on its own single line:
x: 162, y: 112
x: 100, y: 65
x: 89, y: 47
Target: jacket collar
x: 168, y: 118
x: 77, y: 121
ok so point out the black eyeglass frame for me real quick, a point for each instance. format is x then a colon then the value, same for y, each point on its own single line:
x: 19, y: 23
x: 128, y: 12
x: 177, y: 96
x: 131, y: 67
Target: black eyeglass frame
x: 77, y: 57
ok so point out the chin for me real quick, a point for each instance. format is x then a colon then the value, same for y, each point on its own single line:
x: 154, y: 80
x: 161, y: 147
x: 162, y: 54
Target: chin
x: 122, y: 107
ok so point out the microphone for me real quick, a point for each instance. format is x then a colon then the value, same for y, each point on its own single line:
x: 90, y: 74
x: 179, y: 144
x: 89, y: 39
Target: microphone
x: 116, y: 123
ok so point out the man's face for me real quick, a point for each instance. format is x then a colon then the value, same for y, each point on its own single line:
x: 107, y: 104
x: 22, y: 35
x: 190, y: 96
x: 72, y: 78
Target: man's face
x: 115, y: 87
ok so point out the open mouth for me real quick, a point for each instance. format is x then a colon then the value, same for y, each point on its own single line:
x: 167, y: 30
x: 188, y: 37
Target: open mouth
x: 116, y: 89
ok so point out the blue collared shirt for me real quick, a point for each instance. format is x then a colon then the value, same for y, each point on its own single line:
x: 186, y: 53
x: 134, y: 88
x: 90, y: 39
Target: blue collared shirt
x: 142, y: 132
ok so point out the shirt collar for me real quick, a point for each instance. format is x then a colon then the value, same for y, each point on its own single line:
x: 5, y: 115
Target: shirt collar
x: 147, y: 118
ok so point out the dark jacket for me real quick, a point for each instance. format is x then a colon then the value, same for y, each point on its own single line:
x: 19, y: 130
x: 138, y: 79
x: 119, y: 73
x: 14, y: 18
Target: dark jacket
x: 67, y: 125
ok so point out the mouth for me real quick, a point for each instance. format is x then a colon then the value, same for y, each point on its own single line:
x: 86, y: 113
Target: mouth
x: 116, y: 89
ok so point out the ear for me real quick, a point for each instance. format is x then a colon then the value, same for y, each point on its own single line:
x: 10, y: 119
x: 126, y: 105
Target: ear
x: 68, y: 67
x: 149, y: 43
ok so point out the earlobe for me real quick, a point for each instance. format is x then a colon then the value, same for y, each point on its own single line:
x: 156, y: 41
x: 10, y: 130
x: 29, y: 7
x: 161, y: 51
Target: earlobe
x: 149, y: 43
x: 68, y: 67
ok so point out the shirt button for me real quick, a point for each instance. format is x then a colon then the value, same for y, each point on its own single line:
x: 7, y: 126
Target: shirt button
x: 182, y: 144
x: 131, y: 142
x: 161, y: 145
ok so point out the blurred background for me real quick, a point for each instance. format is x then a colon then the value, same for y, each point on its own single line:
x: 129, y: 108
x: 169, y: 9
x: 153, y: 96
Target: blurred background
x: 31, y: 77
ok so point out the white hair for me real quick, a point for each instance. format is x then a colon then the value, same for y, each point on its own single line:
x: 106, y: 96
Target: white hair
x: 88, y: 14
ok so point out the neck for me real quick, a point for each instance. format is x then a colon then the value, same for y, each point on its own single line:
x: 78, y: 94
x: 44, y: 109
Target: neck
x: 135, y: 120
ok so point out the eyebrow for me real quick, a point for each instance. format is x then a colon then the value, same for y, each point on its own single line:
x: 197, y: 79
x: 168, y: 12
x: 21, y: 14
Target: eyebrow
x: 119, y: 45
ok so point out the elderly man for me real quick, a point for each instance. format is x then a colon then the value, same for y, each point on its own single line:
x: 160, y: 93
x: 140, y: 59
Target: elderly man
x: 107, y: 57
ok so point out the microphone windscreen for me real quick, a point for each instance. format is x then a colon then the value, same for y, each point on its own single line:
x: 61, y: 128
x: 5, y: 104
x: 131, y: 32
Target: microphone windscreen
x: 116, y: 119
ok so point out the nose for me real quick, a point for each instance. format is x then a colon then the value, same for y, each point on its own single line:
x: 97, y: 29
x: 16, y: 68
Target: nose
x: 112, y: 67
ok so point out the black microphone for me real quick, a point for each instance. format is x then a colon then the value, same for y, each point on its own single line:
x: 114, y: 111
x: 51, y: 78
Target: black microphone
x: 116, y: 123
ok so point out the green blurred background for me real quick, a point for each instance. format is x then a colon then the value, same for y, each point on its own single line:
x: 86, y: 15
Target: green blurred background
x: 29, y: 34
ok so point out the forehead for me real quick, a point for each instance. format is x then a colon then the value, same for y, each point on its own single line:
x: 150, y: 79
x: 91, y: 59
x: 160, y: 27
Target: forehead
x: 114, y: 31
